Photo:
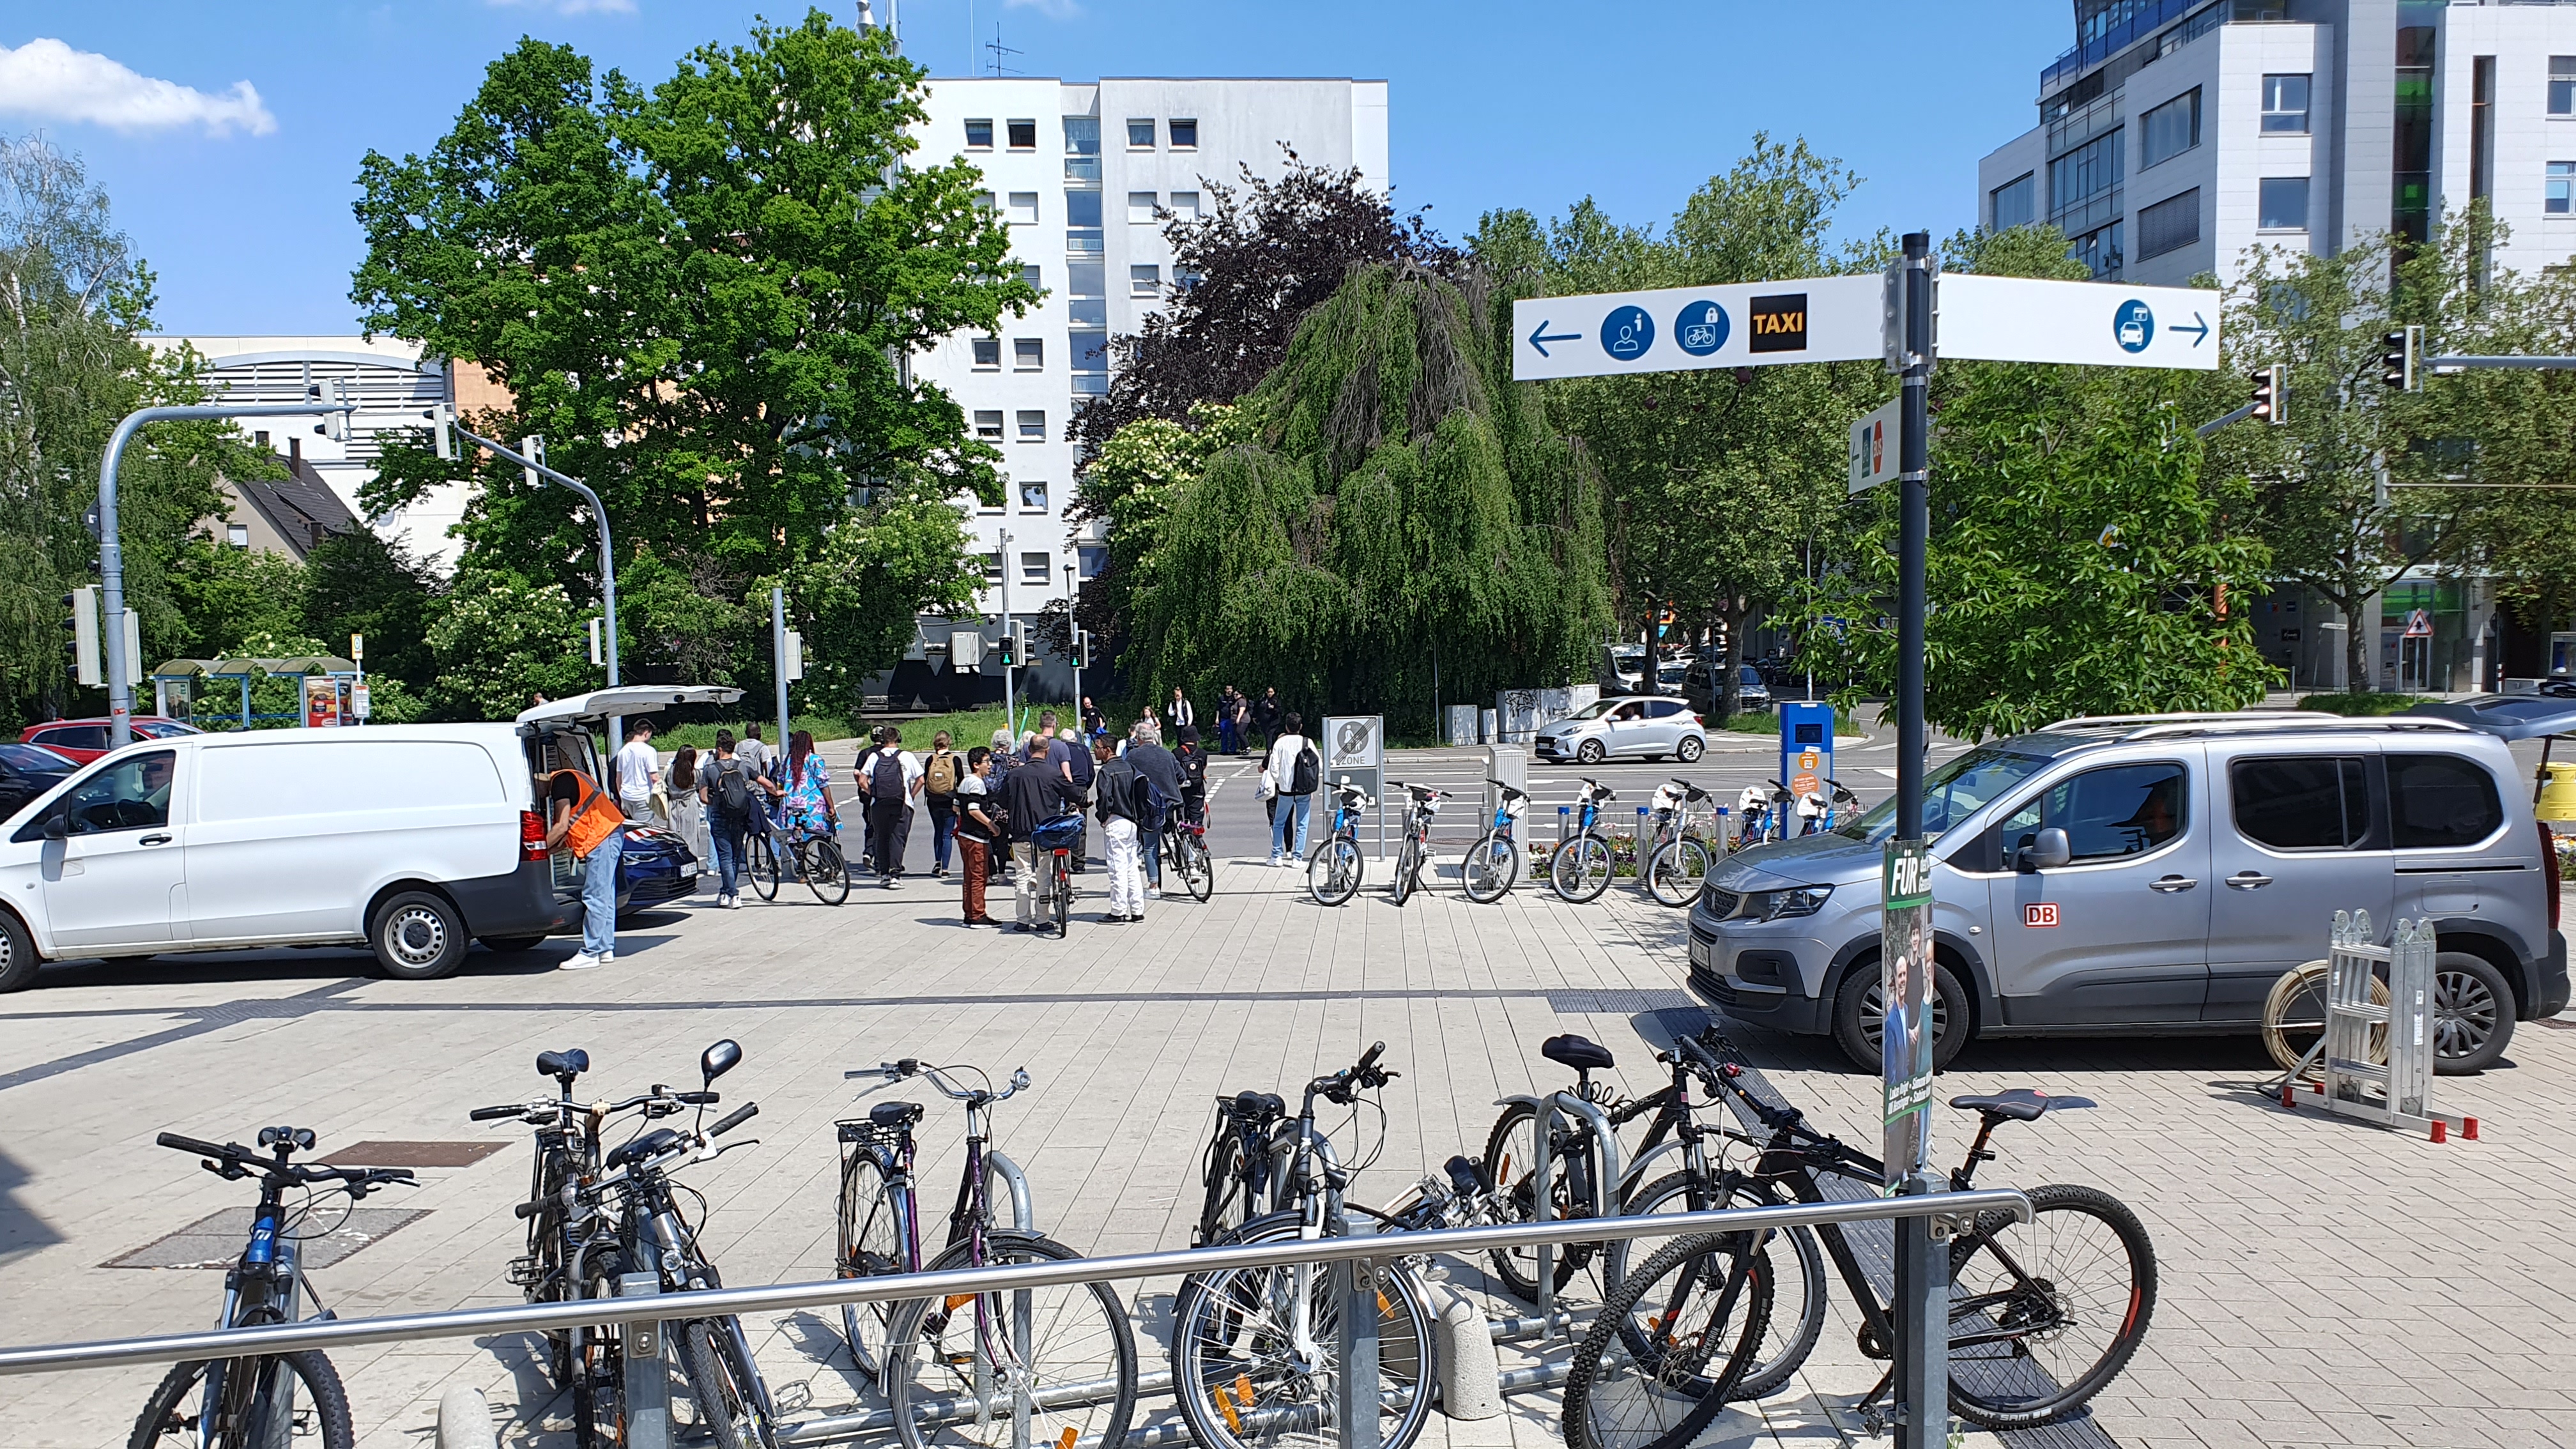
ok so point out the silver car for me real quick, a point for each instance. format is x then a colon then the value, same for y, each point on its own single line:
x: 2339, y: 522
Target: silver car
x: 2156, y: 875
x: 1644, y: 726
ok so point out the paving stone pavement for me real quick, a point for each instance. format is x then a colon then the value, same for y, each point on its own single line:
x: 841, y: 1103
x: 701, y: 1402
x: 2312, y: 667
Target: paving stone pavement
x: 2321, y: 1282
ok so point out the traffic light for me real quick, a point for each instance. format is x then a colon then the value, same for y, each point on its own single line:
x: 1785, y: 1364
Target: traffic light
x: 81, y: 605
x: 2402, y: 352
x: 534, y: 450
x: 1013, y: 649
x: 1081, y: 648
x: 442, y: 418
x: 2272, y: 394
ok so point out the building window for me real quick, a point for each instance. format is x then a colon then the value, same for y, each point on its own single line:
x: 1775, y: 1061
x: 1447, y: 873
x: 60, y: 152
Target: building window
x: 1082, y: 222
x: 1024, y: 208
x: 1140, y: 206
x: 992, y: 567
x: 1024, y: 135
x: 2100, y: 251
x: 1086, y: 279
x: 2169, y: 225
x: 1185, y: 134
x: 988, y: 354
x: 1140, y: 133
x: 1087, y: 303
x: 2014, y: 203
x: 1028, y: 354
x: 2284, y: 204
x: 983, y: 201
x: 1092, y: 561
x: 2562, y: 187
x: 1036, y: 569
x: 1033, y: 498
x: 2285, y: 104
x: 237, y: 534
x: 988, y: 424
x: 2168, y: 131
x: 1145, y: 281
x: 1032, y: 425
x: 1082, y: 149
x: 979, y: 135
x: 1185, y: 279
x: 1185, y: 205
x: 2562, y: 85
x: 1030, y: 275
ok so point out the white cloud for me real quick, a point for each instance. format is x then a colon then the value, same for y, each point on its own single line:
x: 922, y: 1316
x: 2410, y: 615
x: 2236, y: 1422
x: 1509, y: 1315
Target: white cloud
x: 1051, y: 9
x: 575, y: 7
x: 50, y: 80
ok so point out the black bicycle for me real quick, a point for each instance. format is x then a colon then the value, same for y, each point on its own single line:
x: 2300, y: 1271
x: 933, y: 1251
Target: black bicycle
x: 1416, y: 849
x: 783, y: 850
x: 1184, y: 844
x: 262, y: 1401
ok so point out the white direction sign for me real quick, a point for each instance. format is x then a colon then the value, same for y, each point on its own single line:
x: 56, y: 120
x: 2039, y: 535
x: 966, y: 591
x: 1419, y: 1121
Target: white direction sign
x: 2024, y: 319
x: 1873, y: 447
x: 1681, y: 329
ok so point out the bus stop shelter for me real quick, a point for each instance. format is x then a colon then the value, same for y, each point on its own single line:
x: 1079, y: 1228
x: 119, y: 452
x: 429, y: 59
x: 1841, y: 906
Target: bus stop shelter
x: 185, y: 679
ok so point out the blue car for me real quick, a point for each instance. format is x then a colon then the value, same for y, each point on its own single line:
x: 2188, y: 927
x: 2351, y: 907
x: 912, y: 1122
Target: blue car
x: 655, y: 867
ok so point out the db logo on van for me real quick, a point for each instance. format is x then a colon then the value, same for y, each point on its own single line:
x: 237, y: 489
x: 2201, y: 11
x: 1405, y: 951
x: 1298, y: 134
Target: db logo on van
x: 2042, y: 914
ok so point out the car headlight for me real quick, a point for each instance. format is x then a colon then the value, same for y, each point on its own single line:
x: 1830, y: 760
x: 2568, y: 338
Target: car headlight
x: 1795, y: 901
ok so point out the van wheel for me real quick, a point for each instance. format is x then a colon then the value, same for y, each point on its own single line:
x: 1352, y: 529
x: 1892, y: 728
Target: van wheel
x: 509, y: 945
x: 2472, y: 1014
x: 1859, y: 1014
x: 17, y: 955
x: 417, y: 937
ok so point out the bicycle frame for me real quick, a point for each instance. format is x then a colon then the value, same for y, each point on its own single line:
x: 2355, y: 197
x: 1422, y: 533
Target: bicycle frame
x: 266, y: 1285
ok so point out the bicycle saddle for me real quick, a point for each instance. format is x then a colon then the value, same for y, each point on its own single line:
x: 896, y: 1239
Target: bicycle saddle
x: 895, y: 1114
x: 2021, y: 1104
x: 653, y: 1143
x: 1260, y: 1107
x: 1579, y: 1052
x: 563, y: 1065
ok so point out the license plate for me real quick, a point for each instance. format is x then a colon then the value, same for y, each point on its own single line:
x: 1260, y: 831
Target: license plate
x: 1699, y: 952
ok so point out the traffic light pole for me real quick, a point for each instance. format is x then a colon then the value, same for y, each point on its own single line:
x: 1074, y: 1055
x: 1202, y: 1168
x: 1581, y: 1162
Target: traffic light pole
x: 607, y: 557
x: 1010, y: 707
x: 111, y: 549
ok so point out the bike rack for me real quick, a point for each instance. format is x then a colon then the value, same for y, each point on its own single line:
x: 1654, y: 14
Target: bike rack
x: 1606, y: 1160
x: 1024, y: 1214
x: 642, y: 1312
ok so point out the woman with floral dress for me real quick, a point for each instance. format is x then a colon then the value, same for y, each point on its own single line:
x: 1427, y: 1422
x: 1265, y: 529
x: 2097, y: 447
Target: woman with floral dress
x: 809, y: 807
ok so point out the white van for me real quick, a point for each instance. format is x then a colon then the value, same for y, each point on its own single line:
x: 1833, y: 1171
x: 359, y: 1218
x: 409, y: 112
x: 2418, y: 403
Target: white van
x: 408, y: 839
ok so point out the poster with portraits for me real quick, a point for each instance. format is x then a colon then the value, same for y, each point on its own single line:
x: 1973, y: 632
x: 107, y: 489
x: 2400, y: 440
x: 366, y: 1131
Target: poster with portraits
x: 1905, y: 986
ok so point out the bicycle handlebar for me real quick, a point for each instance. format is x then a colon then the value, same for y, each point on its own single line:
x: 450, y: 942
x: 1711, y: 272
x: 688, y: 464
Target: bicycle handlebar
x: 228, y: 1151
x: 1342, y: 1086
x: 938, y: 1077
x: 735, y: 1118
x: 489, y: 1114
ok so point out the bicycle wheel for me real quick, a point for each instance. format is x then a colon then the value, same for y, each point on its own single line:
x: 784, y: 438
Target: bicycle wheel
x: 826, y: 872
x: 2044, y: 1313
x: 1674, y: 874
x: 1511, y: 1154
x: 760, y: 862
x: 1334, y: 874
x: 1582, y: 868
x: 1795, y: 1269
x: 870, y: 1244
x: 1402, y: 885
x: 1244, y: 1383
x: 599, y: 1363
x: 546, y: 1279
x: 253, y: 1403
x: 1670, y: 1346
x: 1490, y: 868
x: 1063, y: 895
x: 728, y: 1400
x: 1037, y: 1366
x: 1188, y: 855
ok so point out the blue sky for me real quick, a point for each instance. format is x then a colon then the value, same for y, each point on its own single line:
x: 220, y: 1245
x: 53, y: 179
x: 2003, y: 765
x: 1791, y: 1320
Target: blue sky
x: 228, y: 137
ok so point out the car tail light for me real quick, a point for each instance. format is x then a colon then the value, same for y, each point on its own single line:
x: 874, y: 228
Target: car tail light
x: 532, y: 836
x: 2549, y: 855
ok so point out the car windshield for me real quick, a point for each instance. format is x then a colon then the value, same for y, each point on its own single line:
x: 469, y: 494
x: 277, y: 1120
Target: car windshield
x: 28, y: 757
x: 1595, y: 711
x: 1952, y: 793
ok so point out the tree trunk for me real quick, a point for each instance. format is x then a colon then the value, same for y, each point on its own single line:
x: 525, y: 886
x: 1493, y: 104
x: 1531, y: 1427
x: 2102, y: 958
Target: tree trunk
x: 2356, y: 680
x: 1650, y: 678
x: 1730, y: 680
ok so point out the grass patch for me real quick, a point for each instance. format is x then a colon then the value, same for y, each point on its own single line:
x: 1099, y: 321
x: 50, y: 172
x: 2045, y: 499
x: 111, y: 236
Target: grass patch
x: 703, y: 736
x: 1767, y: 722
x: 2363, y: 706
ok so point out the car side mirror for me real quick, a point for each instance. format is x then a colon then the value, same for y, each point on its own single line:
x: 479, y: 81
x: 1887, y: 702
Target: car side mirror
x: 718, y: 1060
x: 2047, y: 851
x: 57, y: 826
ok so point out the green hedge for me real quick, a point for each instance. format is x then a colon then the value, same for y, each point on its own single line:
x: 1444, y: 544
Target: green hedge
x: 2363, y: 705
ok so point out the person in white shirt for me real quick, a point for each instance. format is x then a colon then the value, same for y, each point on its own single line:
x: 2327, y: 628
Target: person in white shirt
x: 639, y: 769
x: 892, y: 777
x: 1281, y: 767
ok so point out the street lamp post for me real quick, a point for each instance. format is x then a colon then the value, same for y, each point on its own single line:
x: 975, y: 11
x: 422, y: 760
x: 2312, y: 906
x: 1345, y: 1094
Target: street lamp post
x: 1010, y: 704
x: 111, y: 550
x: 607, y: 556
x: 1073, y: 647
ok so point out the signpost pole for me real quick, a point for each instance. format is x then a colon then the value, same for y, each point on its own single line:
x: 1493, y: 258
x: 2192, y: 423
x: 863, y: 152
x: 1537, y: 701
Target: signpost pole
x: 1922, y: 1325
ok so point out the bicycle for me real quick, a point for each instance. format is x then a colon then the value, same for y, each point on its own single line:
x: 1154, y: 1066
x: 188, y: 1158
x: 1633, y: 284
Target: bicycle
x: 1817, y: 815
x: 1416, y: 848
x: 1185, y: 849
x: 1757, y: 811
x: 1582, y: 866
x: 1055, y: 841
x: 815, y: 856
x: 2025, y: 1311
x: 1333, y: 872
x: 1235, y: 1171
x: 1493, y: 863
x: 1063, y: 1355
x: 261, y: 1401
x: 1682, y: 855
x: 1256, y: 1352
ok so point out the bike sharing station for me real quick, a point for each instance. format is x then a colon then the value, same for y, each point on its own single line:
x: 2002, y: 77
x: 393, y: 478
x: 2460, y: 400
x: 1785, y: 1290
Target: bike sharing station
x: 1903, y: 317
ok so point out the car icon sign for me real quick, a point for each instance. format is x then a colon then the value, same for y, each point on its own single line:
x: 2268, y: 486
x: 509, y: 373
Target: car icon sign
x: 2133, y: 333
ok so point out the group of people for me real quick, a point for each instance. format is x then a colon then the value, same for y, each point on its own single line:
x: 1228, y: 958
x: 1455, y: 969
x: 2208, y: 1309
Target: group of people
x: 1014, y: 788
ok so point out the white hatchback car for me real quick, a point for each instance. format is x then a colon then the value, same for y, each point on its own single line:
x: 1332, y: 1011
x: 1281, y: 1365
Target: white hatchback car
x: 1646, y: 726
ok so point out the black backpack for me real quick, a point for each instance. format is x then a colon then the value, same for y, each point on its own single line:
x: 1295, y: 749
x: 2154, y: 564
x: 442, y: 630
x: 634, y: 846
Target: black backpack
x: 733, y: 787
x: 885, y: 778
x: 1307, y: 777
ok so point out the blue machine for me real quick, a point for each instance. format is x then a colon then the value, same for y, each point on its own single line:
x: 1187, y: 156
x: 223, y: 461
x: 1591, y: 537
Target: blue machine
x: 1806, y: 746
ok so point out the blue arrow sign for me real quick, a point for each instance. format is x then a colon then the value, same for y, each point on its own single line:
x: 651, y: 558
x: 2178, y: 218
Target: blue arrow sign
x: 2200, y: 333
x: 1540, y: 337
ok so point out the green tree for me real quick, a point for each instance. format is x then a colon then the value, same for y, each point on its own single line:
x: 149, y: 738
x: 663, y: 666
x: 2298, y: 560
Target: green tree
x: 227, y: 596
x: 359, y: 583
x: 698, y: 296
x: 501, y: 642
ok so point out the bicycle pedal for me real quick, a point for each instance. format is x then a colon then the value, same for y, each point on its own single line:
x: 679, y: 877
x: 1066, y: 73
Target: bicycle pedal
x: 524, y: 1273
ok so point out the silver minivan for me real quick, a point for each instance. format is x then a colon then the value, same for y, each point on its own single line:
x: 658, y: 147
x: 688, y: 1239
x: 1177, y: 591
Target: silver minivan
x: 2156, y: 875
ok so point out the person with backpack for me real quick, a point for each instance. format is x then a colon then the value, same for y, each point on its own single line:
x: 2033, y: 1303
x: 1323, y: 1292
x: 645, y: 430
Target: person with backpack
x: 1162, y: 776
x: 978, y: 829
x: 730, y: 791
x: 892, y: 777
x: 1193, y: 762
x: 941, y: 771
x: 1034, y: 794
x: 1293, y: 771
x: 1078, y: 768
x: 1120, y: 793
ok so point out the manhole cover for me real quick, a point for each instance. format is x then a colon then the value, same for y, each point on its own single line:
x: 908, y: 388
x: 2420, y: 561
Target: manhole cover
x: 216, y: 1241
x: 413, y: 1154
x: 1616, y: 1002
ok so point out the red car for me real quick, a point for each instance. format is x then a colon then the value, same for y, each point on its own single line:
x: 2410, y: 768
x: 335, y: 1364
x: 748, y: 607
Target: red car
x: 83, y: 740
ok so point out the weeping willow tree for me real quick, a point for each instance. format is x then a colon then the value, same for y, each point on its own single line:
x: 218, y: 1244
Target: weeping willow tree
x: 1400, y: 527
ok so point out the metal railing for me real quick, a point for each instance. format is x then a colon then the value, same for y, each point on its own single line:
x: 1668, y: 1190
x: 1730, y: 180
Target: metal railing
x: 1359, y: 1430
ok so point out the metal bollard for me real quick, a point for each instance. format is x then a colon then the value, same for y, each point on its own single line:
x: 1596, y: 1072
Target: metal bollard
x: 1564, y: 823
x: 648, y: 1377
x: 1355, y: 1394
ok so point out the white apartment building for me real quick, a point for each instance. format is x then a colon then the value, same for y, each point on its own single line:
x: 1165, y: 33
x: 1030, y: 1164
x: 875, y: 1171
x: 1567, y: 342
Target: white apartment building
x: 1083, y: 170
